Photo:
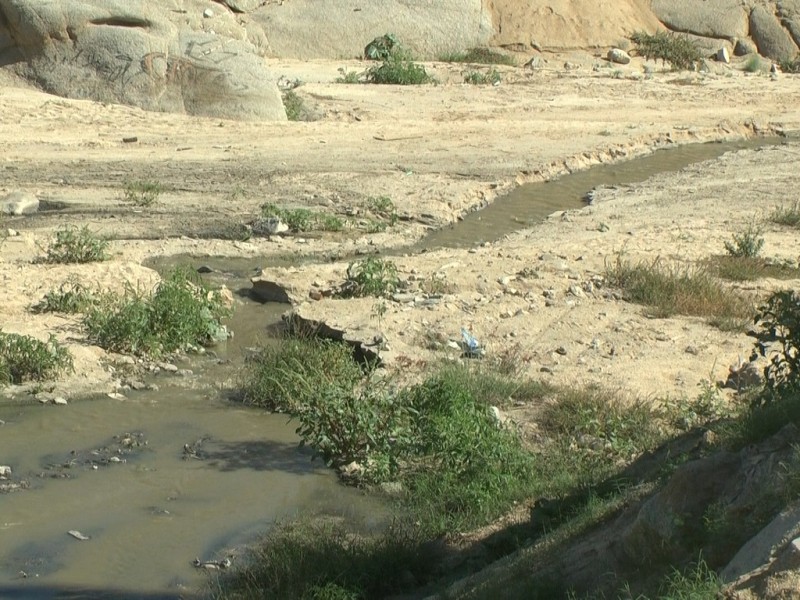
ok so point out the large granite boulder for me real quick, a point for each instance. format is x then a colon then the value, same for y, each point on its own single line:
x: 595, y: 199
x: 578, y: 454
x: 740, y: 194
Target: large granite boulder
x: 161, y: 56
x: 713, y: 19
x: 770, y: 36
x: 308, y: 29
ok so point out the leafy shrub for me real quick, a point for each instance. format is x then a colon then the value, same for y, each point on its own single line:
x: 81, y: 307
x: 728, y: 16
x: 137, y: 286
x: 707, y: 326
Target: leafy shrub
x: 24, y: 358
x: 779, y: 321
x: 369, y: 426
x: 71, y: 297
x: 286, y: 377
x: 678, y: 50
x: 182, y: 312
x: 467, y: 468
x: 746, y: 244
x: 478, y: 78
x: 73, y: 245
x: 398, y: 69
x: 142, y: 193
x: 371, y: 276
x: 483, y: 56
x: 381, y: 47
x: 295, y: 107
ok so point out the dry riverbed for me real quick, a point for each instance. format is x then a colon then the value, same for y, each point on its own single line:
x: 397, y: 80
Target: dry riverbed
x: 437, y: 152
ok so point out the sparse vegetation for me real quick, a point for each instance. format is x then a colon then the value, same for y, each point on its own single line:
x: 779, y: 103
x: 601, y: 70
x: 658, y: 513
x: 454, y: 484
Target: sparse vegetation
x: 303, y: 219
x: 346, y: 76
x: 72, y: 245
x: 790, y: 65
x: 734, y: 268
x: 25, y: 358
x: 398, y: 69
x: 381, y: 48
x: 747, y: 243
x: 779, y: 338
x: 295, y: 107
x: 181, y: 313
x: 690, y: 291
x: 753, y: 64
x: 142, y: 192
x: 478, y: 78
x: 71, y: 297
x: 480, y: 56
x: 677, y: 50
x: 371, y: 276
x: 787, y: 215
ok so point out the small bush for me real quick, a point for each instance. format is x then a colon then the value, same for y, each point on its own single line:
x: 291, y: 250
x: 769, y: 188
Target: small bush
x: 398, y: 69
x: 286, y: 377
x: 746, y: 244
x: 302, y: 219
x: 677, y: 50
x: 779, y: 337
x: 370, y: 426
x: 753, y: 64
x: 72, y: 297
x: 73, y: 245
x: 381, y: 48
x: 680, y: 291
x: 698, y: 583
x: 24, y: 358
x: 371, y: 276
x: 181, y: 313
x: 295, y: 107
x: 477, y: 78
x: 481, y: 56
x: 787, y: 215
x: 142, y: 193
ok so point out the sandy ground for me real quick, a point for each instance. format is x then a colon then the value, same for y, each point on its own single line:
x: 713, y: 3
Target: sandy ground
x: 438, y: 152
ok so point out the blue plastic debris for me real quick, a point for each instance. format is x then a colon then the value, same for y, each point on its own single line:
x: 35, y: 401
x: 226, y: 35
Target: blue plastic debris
x: 470, y: 346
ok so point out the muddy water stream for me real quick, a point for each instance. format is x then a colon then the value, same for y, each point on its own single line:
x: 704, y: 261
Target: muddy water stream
x: 211, y: 473
x: 154, y: 481
x: 532, y: 202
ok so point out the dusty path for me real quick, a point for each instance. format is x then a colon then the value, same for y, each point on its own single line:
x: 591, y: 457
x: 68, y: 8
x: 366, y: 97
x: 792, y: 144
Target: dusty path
x: 437, y: 151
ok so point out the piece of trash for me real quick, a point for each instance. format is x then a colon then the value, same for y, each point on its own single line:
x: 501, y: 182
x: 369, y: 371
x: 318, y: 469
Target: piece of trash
x: 78, y: 535
x: 212, y: 565
x: 470, y: 346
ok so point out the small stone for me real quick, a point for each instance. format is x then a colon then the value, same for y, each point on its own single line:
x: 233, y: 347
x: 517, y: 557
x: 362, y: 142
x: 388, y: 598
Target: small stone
x: 618, y: 56
x: 12, y: 233
x: 691, y: 350
x: 561, y: 350
x: 545, y: 369
x: 60, y: 400
x: 78, y: 535
x: 796, y: 544
x: 205, y: 269
x: 116, y: 396
x: 602, y: 228
x: 315, y: 294
x: 506, y: 314
x: 5, y: 472
x: 723, y: 55
x: 576, y: 291
x: 165, y: 366
x: 208, y: 13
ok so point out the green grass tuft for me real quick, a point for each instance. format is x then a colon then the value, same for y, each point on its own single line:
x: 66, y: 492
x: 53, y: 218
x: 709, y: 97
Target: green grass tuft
x: 72, y: 297
x: 787, y: 215
x: 142, y: 193
x: 398, y: 69
x: 24, y: 358
x: 73, y: 245
x: 480, y: 56
x: 371, y: 276
x: 478, y: 78
x: 669, y: 291
x: 181, y: 313
x: 675, y: 49
x: 303, y: 219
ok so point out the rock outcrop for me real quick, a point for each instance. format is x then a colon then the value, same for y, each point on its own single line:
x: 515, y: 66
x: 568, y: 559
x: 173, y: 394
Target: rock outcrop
x: 158, y: 56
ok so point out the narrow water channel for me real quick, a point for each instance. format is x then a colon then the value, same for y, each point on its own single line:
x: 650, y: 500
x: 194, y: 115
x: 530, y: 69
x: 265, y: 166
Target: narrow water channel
x: 154, y: 481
